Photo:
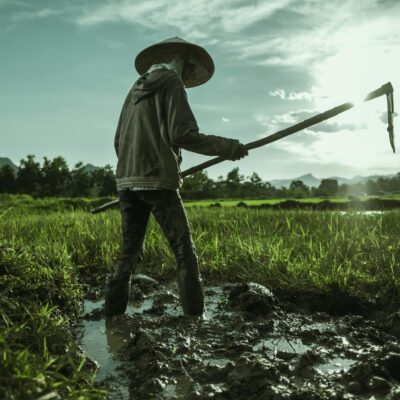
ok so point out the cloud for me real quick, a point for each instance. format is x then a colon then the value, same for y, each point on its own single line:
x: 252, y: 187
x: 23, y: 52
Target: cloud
x: 384, y: 116
x: 287, y: 33
x: 35, y: 14
x: 300, y: 96
x: 363, y: 148
x: 308, y: 96
x: 277, y: 122
x: 278, y: 93
x: 237, y: 19
x: 209, y: 21
x: 225, y: 119
x: 4, y: 3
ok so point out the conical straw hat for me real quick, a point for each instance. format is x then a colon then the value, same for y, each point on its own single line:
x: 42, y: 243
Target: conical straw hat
x: 157, y: 53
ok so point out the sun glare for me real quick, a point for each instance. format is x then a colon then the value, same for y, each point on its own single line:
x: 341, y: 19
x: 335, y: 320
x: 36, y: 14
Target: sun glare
x: 360, y: 65
x: 351, y: 73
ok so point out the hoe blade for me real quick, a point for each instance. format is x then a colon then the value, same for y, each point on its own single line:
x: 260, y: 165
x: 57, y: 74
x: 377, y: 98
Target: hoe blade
x: 390, y: 112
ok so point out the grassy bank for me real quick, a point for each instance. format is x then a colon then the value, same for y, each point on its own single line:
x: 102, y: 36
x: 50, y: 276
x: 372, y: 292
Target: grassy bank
x: 46, y: 257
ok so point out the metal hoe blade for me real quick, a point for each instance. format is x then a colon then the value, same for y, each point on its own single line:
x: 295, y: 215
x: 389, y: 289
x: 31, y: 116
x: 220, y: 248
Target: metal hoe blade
x: 390, y: 112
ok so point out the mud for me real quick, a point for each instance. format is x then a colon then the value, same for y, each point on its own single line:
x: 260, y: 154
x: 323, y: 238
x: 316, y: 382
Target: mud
x: 249, y: 345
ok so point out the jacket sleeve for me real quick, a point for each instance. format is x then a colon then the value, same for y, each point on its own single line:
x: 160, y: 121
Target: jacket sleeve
x: 120, y: 123
x: 183, y: 131
x: 117, y: 134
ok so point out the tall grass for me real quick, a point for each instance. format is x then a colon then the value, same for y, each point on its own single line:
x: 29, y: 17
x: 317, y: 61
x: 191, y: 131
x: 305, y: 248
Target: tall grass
x: 289, y: 249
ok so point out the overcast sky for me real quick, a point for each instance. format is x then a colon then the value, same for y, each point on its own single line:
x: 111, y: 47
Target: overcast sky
x: 67, y: 65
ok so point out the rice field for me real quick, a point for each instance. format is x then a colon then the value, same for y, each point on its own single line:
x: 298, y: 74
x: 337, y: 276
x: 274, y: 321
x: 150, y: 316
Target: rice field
x: 50, y: 256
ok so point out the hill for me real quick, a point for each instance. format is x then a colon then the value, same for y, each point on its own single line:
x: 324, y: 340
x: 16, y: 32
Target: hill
x: 309, y: 179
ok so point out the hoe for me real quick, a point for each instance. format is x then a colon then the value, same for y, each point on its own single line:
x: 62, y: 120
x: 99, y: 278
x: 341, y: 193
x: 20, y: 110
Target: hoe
x: 386, y: 89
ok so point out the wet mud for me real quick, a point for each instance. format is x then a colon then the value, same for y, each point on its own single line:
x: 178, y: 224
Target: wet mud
x: 250, y: 344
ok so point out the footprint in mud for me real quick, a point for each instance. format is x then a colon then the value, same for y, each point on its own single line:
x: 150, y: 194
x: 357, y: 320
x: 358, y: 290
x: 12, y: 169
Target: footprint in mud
x: 248, y: 345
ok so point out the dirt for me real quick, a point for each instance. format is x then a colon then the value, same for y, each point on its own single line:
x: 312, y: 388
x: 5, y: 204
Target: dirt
x: 249, y: 345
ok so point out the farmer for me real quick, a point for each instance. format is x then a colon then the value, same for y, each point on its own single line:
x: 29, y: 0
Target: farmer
x: 156, y: 122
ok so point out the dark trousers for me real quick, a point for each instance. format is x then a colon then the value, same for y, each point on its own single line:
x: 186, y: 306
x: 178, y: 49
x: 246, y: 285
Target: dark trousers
x: 168, y: 210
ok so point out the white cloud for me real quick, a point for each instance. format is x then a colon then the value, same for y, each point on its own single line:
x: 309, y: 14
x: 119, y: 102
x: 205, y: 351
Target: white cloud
x: 300, y: 96
x: 278, y: 93
x: 237, y: 19
x: 279, y: 121
x: 205, y: 20
x: 225, y: 119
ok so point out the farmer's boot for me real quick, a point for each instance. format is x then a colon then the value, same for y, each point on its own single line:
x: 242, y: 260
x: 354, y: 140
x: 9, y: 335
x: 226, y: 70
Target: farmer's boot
x: 117, y: 295
x: 191, y: 292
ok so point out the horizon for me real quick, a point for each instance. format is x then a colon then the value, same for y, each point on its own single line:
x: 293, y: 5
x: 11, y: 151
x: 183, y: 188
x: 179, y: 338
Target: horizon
x: 67, y: 68
x: 310, y: 174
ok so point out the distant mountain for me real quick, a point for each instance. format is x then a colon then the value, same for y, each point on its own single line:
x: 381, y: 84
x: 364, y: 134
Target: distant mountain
x: 309, y: 179
x: 6, y: 161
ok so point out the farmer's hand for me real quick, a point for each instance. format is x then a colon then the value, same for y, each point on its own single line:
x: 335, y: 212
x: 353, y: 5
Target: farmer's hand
x: 239, y: 152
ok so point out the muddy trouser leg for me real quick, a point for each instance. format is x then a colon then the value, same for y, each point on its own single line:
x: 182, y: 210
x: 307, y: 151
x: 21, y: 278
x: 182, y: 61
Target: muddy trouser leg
x: 170, y: 215
x: 134, y: 218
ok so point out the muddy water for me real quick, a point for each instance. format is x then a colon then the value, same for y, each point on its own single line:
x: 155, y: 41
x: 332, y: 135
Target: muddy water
x: 248, y: 346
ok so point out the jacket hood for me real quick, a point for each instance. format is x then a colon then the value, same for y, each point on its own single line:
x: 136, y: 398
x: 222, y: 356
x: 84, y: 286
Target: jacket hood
x: 149, y: 83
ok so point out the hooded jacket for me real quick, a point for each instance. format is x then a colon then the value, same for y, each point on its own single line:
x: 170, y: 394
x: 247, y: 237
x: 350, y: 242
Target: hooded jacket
x: 156, y: 122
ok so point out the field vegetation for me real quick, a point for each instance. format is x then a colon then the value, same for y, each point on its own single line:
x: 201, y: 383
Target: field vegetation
x: 51, y: 251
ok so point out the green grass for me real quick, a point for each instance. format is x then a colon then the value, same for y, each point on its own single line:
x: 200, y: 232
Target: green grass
x: 46, y: 257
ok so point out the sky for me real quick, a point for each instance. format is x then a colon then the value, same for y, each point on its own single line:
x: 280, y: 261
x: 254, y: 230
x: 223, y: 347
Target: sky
x: 67, y: 65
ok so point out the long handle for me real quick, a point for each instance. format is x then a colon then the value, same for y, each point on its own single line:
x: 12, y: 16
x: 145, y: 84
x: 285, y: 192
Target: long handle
x: 386, y: 89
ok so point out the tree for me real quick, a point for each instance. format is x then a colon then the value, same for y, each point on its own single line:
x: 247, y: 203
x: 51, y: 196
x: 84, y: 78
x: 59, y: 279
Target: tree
x: 343, y: 189
x: 8, y: 182
x: 233, y: 182
x: 104, y: 181
x: 198, y: 185
x: 81, y: 181
x: 328, y: 188
x: 256, y: 186
x: 371, y: 187
x: 28, y: 175
x: 298, y: 189
x: 55, y: 177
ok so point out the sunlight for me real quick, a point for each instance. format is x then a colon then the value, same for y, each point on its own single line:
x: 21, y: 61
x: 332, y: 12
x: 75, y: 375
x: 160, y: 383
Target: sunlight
x: 352, y: 72
x: 360, y: 65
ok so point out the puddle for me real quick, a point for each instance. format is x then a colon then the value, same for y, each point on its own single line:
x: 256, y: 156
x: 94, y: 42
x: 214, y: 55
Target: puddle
x: 282, y: 344
x: 153, y: 351
x: 363, y: 212
x: 102, y: 342
x: 335, y: 365
x: 216, y: 362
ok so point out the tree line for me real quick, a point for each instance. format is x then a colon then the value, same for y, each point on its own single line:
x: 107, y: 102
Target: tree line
x: 54, y: 178
x: 235, y: 185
